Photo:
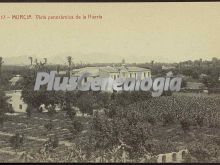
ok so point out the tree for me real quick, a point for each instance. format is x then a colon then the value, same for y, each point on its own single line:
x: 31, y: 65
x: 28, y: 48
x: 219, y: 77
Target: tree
x: 152, y: 63
x: 3, y: 98
x: 58, y: 68
x: 76, y: 127
x: 102, y: 99
x: 17, y: 140
x: 1, y: 62
x: 31, y: 60
x: 69, y: 60
x: 85, y: 103
x: 51, y: 110
x: 195, y: 74
x: 2, y: 119
x: 29, y: 111
x: 42, y: 96
x: 125, y: 98
x: 49, y: 125
x: 45, y: 60
x: 4, y: 107
x: 184, y: 83
x: 36, y: 62
x: 68, y: 102
x: 211, y: 81
x: 127, y: 127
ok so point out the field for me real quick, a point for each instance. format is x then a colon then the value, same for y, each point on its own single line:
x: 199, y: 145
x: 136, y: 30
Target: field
x: 152, y: 127
x: 35, y: 133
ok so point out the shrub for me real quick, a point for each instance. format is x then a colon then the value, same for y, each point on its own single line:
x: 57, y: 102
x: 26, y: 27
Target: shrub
x: 40, y: 110
x: 217, y: 140
x: 51, y: 111
x: 17, y: 140
x: 168, y: 118
x: 29, y: 111
x: 199, y: 151
x: 49, y: 126
x: 190, y: 159
x: 2, y: 118
x: 51, y: 143
x: 85, y: 103
x: 76, y: 127
x: 200, y: 120
x: 55, y: 141
x: 150, y: 119
x: 112, y: 111
x: 185, y: 124
x: 71, y: 113
x: 167, y: 93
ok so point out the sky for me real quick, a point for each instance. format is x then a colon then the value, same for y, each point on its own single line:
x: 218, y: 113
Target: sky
x: 137, y: 32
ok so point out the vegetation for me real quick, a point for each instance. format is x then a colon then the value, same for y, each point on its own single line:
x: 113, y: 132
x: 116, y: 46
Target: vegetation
x: 17, y: 141
x: 128, y: 126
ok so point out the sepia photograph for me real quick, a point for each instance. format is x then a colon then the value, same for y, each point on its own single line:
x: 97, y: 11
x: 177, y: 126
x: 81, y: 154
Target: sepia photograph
x: 110, y: 82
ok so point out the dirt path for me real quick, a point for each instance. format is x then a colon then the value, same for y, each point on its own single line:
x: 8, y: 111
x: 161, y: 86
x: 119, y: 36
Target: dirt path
x: 63, y: 142
x: 12, y: 153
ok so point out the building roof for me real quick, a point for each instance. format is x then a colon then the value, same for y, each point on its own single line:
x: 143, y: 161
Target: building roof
x: 95, y: 70
x: 123, y: 68
x: 137, y: 69
x: 110, y: 69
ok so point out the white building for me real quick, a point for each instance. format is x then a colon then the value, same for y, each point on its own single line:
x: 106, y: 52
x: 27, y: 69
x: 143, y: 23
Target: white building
x: 173, y: 157
x: 113, y: 72
x: 15, y: 79
x: 16, y: 101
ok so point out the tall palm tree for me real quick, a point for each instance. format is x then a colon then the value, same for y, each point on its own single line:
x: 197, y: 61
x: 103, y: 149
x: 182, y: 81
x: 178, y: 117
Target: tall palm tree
x: 45, y: 60
x: 69, y: 60
x: 1, y: 62
x: 58, y: 69
x: 152, y: 63
x: 43, y: 63
x: 68, y: 104
x: 36, y: 61
x: 31, y: 59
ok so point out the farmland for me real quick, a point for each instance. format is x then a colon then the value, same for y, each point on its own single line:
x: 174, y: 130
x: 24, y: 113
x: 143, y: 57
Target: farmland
x: 146, y: 127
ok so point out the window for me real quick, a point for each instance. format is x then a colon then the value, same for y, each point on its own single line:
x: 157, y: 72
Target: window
x: 148, y: 74
x: 144, y: 74
x: 20, y: 106
x: 114, y: 77
x: 118, y: 76
x: 135, y: 75
x: 164, y: 159
x: 85, y: 79
x: 174, y: 157
x: 183, y: 154
x: 130, y: 74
